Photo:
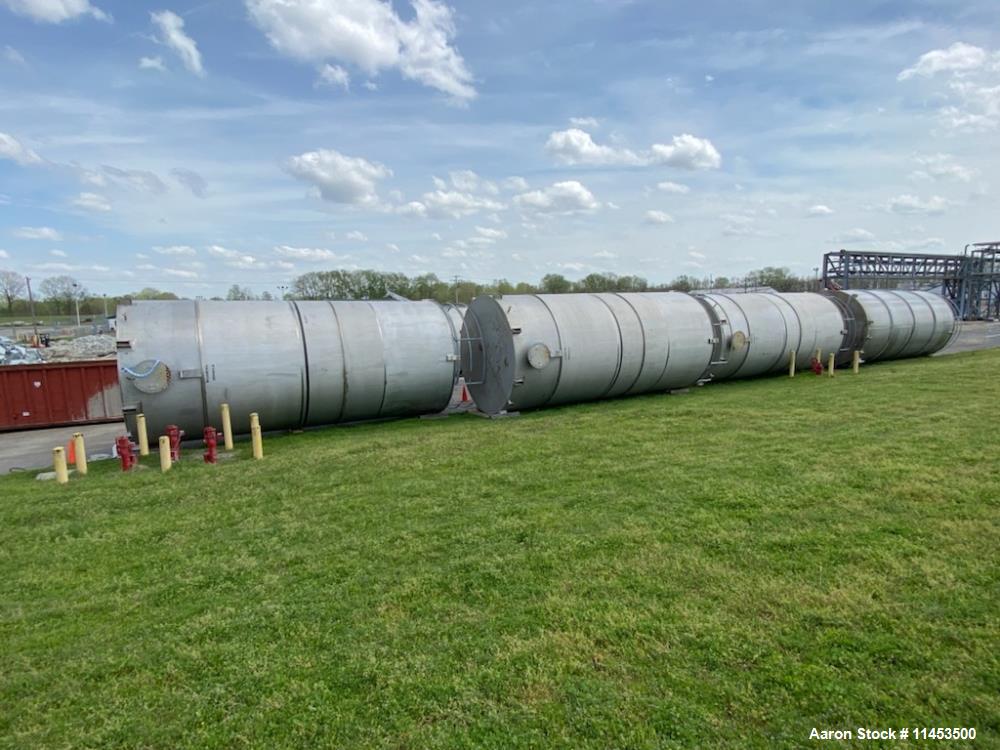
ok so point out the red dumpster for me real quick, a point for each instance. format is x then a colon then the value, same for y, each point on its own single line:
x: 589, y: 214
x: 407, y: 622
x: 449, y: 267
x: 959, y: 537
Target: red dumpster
x: 59, y: 393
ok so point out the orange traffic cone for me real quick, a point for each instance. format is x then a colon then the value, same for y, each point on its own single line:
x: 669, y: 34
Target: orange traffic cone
x: 71, y: 452
x: 465, y: 395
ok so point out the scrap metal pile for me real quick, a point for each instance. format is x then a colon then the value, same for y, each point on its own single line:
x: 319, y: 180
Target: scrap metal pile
x: 12, y: 353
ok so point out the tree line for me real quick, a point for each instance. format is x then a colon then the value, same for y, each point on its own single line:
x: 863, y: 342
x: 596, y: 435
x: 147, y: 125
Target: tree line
x: 59, y: 295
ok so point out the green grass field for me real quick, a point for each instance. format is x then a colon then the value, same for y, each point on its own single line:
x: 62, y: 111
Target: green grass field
x: 723, y: 569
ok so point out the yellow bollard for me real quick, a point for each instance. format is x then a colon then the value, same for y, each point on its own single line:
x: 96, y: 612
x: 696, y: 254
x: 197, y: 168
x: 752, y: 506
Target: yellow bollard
x: 255, y: 437
x: 856, y: 361
x: 829, y: 368
x: 80, y: 453
x: 59, y: 463
x: 791, y: 364
x: 141, y: 434
x: 227, y: 428
x: 819, y: 355
x: 165, y: 462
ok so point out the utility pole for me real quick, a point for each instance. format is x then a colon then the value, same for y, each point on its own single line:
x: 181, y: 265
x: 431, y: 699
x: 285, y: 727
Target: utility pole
x: 456, y: 289
x: 31, y: 307
x: 105, y: 309
x: 76, y: 298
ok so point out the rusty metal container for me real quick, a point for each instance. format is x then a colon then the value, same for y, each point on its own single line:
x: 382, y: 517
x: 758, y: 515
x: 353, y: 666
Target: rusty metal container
x: 59, y: 393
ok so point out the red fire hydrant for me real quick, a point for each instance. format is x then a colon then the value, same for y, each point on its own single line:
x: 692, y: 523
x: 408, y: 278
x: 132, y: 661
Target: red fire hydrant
x: 211, y: 445
x: 816, y: 366
x: 125, y: 454
x: 175, y: 434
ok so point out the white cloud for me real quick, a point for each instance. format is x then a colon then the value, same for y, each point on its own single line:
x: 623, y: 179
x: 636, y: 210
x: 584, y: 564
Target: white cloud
x: 92, y: 202
x: 356, y: 236
x: 176, y: 250
x: 605, y: 254
x: 450, y: 204
x: 58, y: 253
x: 38, y: 233
x: 688, y: 152
x: 584, y: 122
x: 673, y: 187
x: 852, y: 235
x: 223, y: 252
x: 4, y: 254
x: 491, y: 234
x: 980, y: 106
x: 13, y: 149
x: 560, y: 198
x: 171, y: 33
x: 575, y: 146
x: 191, y: 180
x: 12, y: 56
x: 139, y: 180
x: 942, y: 167
x: 740, y: 225
x: 370, y: 35
x: 334, y: 76
x: 392, y: 247
x: 55, y: 11
x: 696, y: 255
x: 910, y: 205
x: 308, y: 254
x: 468, y: 181
x: 515, y: 183
x: 180, y: 273
x: 658, y: 217
x: 819, y: 210
x: 339, y: 178
x: 152, y: 63
x: 958, y: 58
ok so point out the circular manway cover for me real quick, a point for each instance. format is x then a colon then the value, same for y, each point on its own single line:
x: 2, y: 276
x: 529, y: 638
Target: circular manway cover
x: 738, y: 340
x: 539, y: 356
x: 149, y: 376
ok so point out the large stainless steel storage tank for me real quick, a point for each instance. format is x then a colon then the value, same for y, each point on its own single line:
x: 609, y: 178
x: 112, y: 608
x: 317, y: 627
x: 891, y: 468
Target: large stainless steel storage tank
x: 758, y: 332
x: 892, y: 324
x: 296, y: 364
x: 526, y: 351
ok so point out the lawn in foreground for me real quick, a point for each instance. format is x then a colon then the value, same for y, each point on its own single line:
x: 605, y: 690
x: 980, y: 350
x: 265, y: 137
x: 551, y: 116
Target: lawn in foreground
x: 725, y: 568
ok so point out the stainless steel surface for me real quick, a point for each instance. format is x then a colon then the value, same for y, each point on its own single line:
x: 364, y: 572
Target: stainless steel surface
x: 895, y: 324
x: 528, y: 351
x: 296, y: 364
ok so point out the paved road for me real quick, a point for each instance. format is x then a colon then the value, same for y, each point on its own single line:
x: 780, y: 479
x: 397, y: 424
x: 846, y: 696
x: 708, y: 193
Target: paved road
x: 975, y: 335
x: 32, y: 449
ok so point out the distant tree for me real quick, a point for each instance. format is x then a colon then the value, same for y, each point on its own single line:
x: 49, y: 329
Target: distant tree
x: 779, y: 279
x: 62, y: 292
x: 631, y: 284
x: 151, y: 293
x: 684, y: 283
x: 266, y: 296
x: 12, y: 286
x: 237, y: 293
x: 721, y: 282
x: 554, y: 283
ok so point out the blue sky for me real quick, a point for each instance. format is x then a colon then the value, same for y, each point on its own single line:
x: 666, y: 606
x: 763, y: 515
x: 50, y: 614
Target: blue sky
x: 192, y: 145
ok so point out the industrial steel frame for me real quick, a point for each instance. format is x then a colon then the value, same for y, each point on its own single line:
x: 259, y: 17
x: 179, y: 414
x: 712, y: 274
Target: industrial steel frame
x: 971, y: 281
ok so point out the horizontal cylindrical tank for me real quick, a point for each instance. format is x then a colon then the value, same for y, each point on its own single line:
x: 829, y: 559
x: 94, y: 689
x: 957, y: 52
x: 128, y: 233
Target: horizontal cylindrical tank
x: 892, y: 324
x: 296, y: 364
x: 758, y: 331
x: 527, y: 351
